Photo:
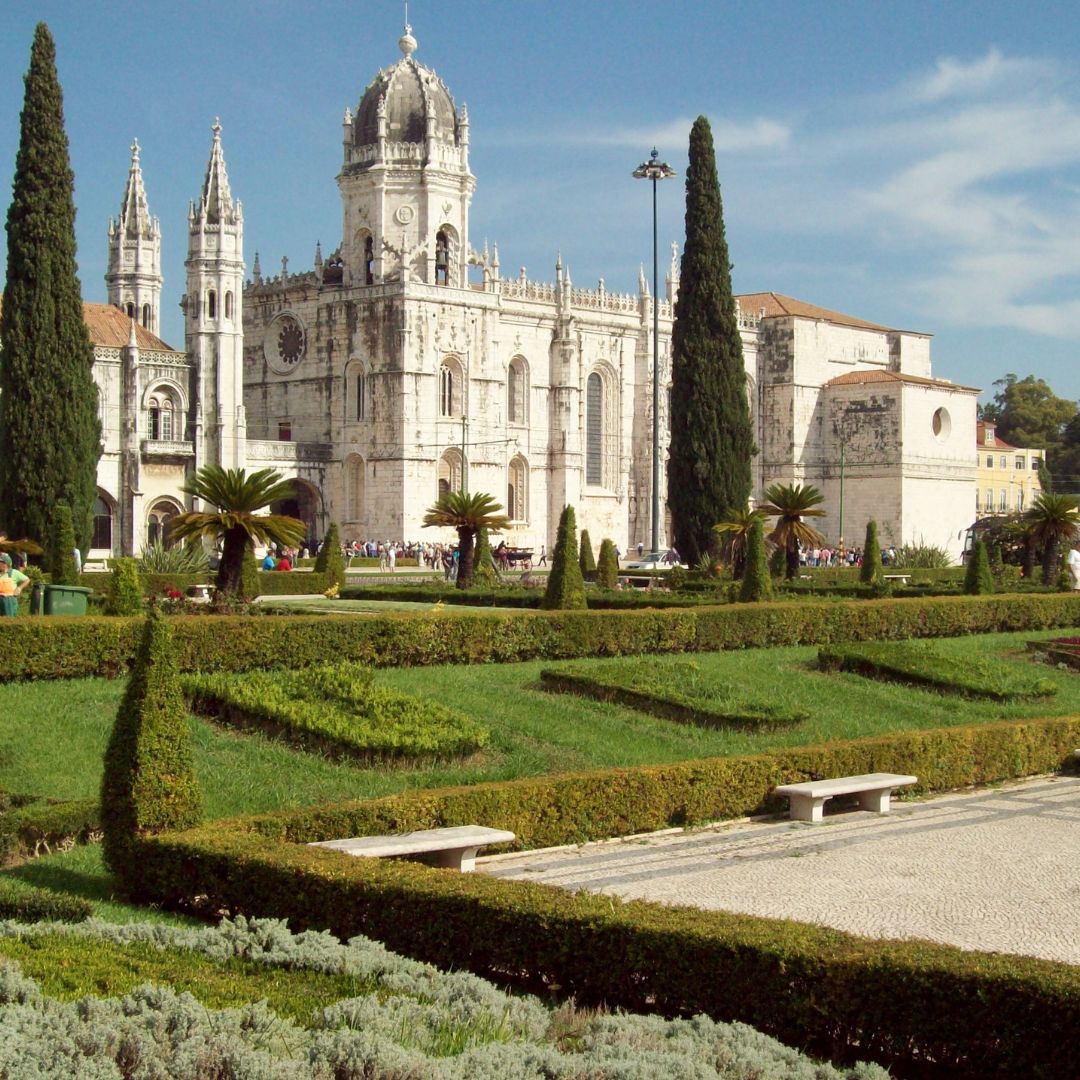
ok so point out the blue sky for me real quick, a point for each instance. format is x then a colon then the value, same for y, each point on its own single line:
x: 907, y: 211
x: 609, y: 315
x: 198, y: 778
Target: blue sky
x: 916, y: 164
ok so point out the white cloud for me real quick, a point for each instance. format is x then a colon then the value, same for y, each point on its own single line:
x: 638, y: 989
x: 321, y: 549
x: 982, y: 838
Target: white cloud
x: 952, y: 77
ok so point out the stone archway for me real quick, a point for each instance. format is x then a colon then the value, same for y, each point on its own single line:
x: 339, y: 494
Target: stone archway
x: 305, y: 504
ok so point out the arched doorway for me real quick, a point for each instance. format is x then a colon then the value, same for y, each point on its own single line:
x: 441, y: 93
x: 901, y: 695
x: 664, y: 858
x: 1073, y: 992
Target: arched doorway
x: 305, y: 504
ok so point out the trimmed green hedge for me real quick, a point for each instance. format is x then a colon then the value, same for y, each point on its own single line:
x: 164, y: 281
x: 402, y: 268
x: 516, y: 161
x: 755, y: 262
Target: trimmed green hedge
x: 75, y: 647
x: 31, y: 825
x: 671, y: 694
x: 28, y: 903
x: 920, y: 664
x: 972, y: 1014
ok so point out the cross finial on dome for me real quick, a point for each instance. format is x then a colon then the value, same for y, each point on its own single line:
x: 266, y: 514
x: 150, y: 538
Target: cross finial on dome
x: 407, y: 43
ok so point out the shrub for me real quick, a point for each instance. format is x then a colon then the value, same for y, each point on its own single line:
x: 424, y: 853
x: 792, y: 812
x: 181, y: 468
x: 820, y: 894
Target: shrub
x: 149, y: 783
x: 918, y: 663
x: 921, y: 557
x: 756, y: 581
x: 60, y: 547
x: 978, y: 579
x: 585, y: 557
x: 607, y: 566
x: 32, y: 826
x: 330, y: 560
x: 871, y: 572
x: 484, y: 572
x: 27, y: 903
x: 178, y: 559
x: 565, y: 585
x: 125, y: 589
x: 338, y: 709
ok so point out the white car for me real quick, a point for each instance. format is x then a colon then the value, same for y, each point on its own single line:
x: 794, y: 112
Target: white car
x: 653, y: 560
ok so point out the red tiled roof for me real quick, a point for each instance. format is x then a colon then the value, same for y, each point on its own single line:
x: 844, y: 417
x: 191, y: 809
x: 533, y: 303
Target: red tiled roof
x: 111, y: 328
x: 878, y: 375
x: 997, y: 444
x: 775, y: 304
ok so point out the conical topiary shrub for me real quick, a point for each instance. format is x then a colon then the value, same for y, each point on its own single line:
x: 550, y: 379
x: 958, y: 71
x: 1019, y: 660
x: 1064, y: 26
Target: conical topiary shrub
x: 871, y: 571
x: 607, y: 566
x: 60, y: 547
x: 125, y: 589
x: 585, y: 557
x: 149, y: 784
x: 978, y: 581
x: 484, y: 572
x: 565, y: 586
x: 756, y: 580
x: 330, y: 560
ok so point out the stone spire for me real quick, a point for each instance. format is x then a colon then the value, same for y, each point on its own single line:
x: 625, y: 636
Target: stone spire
x: 216, y: 206
x: 135, y: 220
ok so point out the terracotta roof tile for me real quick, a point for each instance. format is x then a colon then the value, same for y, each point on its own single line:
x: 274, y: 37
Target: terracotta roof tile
x: 997, y: 444
x: 879, y: 375
x: 775, y: 304
x: 111, y: 328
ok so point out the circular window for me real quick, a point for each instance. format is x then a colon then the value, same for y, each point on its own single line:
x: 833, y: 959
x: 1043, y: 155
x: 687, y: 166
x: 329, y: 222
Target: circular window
x: 941, y: 423
x: 284, y: 343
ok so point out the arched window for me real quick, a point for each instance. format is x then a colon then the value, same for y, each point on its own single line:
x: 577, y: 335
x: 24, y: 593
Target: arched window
x: 361, y: 393
x: 164, y: 416
x: 369, y: 261
x: 594, y: 429
x: 146, y: 316
x: 130, y: 309
x: 228, y: 305
x: 211, y: 304
x: 166, y: 419
x: 449, y: 472
x: 517, y: 501
x: 442, y: 258
x: 450, y: 388
x: 517, y: 392
x: 102, y: 535
x: 157, y: 522
x: 153, y: 419
x: 354, y: 487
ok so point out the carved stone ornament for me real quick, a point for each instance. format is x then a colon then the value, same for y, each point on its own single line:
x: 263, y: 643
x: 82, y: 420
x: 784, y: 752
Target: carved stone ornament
x: 404, y: 214
x: 284, y: 343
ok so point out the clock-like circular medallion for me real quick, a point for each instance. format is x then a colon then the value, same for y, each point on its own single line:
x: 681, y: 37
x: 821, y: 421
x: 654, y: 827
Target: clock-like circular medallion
x: 284, y: 343
x: 404, y: 215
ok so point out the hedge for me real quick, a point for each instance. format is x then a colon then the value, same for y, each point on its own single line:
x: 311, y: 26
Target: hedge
x: 30, y: 824
x: 27, y: 903
x: 76, y: 647
x: 970, y: 1014
x: 271, y: 582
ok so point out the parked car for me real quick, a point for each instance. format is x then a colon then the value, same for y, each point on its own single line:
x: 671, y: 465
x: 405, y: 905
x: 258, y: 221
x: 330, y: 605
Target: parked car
x: 654, y: 560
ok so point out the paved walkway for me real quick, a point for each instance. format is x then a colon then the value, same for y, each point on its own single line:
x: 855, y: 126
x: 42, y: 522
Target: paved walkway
x: 997, y: 869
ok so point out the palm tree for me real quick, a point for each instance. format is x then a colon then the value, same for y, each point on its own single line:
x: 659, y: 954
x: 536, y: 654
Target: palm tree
x: 26, y: 547
x: 236, y: 522
x: 467, y: 514
x: 734, y: 535
x: 791, y: 503
x: 1051, y: 521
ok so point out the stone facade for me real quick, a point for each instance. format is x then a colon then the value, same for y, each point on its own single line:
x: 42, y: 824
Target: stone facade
x: 403, y: 364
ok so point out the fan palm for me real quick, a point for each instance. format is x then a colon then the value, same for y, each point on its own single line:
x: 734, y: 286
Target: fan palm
x: 27, y: 547
x: 467, y: 514
x: 237, y: 497
x: 734, y: 535
x: 1051, y: 521
x: 791, y: 503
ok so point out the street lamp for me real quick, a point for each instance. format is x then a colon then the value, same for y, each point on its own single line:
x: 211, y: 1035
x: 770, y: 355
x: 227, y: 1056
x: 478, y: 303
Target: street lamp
x: 654, y: 170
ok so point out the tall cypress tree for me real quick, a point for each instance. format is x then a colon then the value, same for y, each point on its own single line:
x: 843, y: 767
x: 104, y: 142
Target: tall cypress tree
x: 50, y: 435
x: 711, y: 437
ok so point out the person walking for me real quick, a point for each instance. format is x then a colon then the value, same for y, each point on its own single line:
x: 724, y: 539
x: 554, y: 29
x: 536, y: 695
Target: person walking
x: 1074, y: 564
x: 542, y: 561
x: 12, y: 583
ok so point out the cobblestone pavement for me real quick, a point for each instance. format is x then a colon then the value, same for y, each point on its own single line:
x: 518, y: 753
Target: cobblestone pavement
x: 996, y: 869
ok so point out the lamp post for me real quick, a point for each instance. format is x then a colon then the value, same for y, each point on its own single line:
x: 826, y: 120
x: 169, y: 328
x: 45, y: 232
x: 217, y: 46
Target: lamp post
x: 654, y: 170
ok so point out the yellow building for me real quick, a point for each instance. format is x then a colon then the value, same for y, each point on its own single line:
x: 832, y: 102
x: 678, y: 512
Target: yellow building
x: 1008, y: 476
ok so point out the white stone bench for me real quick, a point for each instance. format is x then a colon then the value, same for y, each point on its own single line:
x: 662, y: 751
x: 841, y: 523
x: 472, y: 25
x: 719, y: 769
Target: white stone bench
x: 453, y: 847
x: 905, y: 578
x: 95, y: 568
x: 808, y: 799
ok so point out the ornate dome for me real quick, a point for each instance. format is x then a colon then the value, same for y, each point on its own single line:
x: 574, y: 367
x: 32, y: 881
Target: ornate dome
x: 409, y: 90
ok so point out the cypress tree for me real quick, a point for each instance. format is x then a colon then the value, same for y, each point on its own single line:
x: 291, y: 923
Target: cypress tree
x: 50, y: 434
x: 484, y: 572
x: 149, y: 783
x: 125, y: 589
x: 586, y: 560
x: 60, y: 547
x: 330, y: 560
x: 756, y: 579
x: 711, y: 435
x: 607, y: 566
x: 871, y: 572
x: 565, y: 586
x: 978, y: 581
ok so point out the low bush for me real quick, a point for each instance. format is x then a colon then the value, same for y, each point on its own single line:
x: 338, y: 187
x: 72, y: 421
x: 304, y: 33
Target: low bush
x: 338, y: 709
x: 913, y: 1002
x: 919, y: 664
x: 31, y: 826
x: 29, y: 904
x: 60, y: 647
x: 673, y: 692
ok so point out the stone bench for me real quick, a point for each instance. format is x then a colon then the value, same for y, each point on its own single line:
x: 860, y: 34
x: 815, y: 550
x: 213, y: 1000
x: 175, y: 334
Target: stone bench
x: 905, y: 578
x: 95, y: 567
x: 453, y: 847
x: 808, y: 799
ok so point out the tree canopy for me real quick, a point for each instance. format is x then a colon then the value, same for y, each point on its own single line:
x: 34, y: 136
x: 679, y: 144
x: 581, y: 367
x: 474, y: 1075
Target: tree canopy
x: 1026, y: 412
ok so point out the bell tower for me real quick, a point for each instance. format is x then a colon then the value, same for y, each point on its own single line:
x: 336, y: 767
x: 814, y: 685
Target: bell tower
x: 405, y: 182
x: 213, y: 317
x: 133, y: 277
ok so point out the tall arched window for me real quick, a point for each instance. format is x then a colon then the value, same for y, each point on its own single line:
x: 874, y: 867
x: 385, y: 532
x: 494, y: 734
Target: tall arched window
x: 146, y: 316
x: 517, y: 496
x: 102, y: 535
x: 442, y: 258
x: 211, y: 304
x: 594, y: 430
x: 449, y: 478
x: 360, y: 391
x: 130, y: 309
x: 354, y: 486
x: 153, y: 419
x: 451, y: 401
x: 517, y: 392
x: 369, y: 261
x: 228, y: 305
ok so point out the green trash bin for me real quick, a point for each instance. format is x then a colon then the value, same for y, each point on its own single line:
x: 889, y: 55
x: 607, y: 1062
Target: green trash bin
x: 65, y: 599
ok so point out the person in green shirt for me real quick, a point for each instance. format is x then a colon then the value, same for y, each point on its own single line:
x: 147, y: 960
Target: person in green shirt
x: 12, y: 582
